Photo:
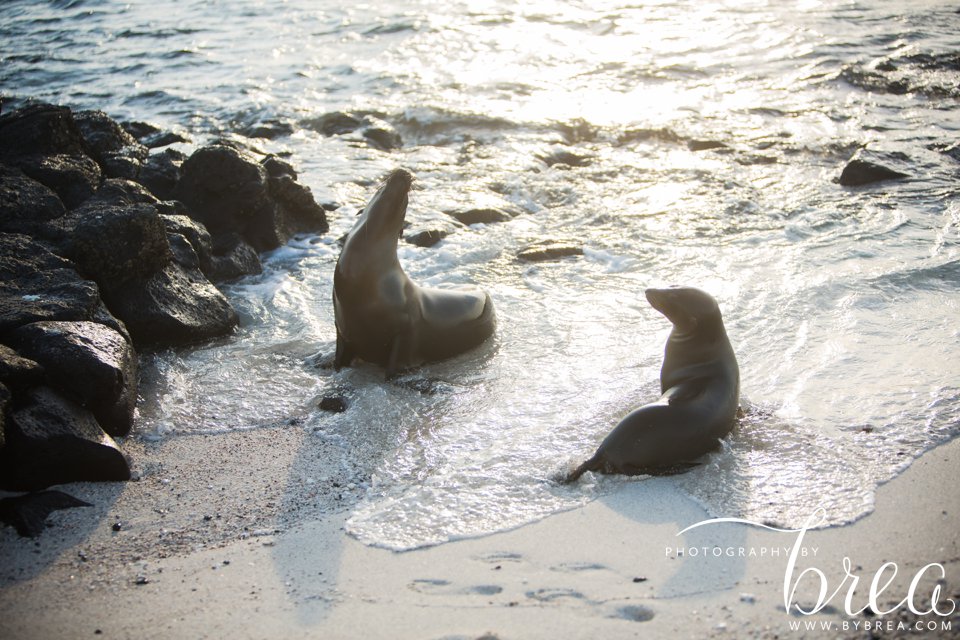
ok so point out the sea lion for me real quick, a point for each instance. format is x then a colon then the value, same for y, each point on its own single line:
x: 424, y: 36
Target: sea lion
x: 700, y: 387
x: 381, y: 315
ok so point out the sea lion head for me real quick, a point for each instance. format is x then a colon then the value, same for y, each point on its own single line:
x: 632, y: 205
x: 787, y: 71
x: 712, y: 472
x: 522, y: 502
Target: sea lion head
x: 383, y: 216
x: 691, y: 310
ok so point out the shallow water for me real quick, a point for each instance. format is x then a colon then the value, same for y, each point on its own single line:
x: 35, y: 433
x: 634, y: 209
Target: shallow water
x: 841, y: 302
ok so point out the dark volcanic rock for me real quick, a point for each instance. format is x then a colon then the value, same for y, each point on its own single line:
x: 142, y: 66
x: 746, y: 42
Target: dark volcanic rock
x: 333, y: 124
x: 163, y: 139
x: 228, y: 191
x: 51, y: 440
x: 173, y: 307
x: 140, y: 130
x: 705, y: 145
x: 17, y: 371
x: 183, y: 252
x: 549, y: 250
x: 26, y: 206
x: 426, y: 238
x: 115, y: 150
x: 73, y: 177
x: 224, y: 189
x: 233, y: 258
x: 161, y: 172
x: 117, y: 244
x: 380, y: 134
x: 276, y: 167
x: 481, y: 215
x: 40, y: 129
x: 195, y: 234
x: 299, y: 211
x: 866, y: 167
x: 122, y: 192
x: 4, y: 402
x: 36, y: 284
x: 88, y: 362
x: 567, y: 158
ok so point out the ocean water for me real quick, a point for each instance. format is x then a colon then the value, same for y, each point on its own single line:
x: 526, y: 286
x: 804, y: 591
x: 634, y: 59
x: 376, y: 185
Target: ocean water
x: 582, y: 118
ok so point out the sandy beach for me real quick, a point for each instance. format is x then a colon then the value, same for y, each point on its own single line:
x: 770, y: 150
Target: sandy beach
x: 231, y: 536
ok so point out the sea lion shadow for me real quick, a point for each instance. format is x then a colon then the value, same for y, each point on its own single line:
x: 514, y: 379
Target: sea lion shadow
x: 67, y: 533
x: 699, y: 558
x: 707, y: 558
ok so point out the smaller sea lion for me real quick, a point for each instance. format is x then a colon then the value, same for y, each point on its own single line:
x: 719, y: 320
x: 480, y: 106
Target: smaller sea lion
x: 700, y: 387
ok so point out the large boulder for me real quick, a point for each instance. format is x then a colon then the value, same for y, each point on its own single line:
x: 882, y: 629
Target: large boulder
x: 51, y: 440
x: 116, y: 244
x: 36, y: 284
x: 41, y: 129
x: 224, y: 189
x: 88, y: 362
x: 73, y: 177
x: 227, y: 190
x: 174, y: 306
x: 115, y: 150
x: 26, y: 206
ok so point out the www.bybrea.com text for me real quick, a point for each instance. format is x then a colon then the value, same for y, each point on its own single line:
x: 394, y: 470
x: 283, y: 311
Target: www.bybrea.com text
x: 876, y: 626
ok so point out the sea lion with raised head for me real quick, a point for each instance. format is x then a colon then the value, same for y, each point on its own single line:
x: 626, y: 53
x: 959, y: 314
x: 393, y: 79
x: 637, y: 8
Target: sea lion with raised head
x: 381, y: 315
x: 700, y: 387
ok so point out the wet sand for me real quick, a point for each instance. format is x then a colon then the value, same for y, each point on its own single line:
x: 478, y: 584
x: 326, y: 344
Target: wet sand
x: 241, y: 535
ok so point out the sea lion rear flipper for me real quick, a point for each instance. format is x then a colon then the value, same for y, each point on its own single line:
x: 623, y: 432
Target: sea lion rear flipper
x: 593, y: 464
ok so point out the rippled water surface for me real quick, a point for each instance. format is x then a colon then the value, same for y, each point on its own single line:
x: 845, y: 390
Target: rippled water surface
x: 587, y: 120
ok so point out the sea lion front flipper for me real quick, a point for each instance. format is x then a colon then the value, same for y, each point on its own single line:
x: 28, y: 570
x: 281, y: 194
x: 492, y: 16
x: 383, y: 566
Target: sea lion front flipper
x: 686, y: 390
x: 401, y: 350
x: 344, y: 355
x: 28, y: 513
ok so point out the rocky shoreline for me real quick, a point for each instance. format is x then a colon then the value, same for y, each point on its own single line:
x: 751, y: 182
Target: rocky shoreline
x: 111, y: 243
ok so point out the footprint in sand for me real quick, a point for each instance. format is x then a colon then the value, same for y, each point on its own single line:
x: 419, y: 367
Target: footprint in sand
x: 444, y: 587
x: 549, y: 595
x: 634, y: 612
x: 578, y: 566
x: 499, y: 557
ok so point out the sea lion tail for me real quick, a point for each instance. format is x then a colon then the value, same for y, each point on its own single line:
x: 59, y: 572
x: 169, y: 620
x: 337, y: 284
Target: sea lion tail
x: 593, y: 464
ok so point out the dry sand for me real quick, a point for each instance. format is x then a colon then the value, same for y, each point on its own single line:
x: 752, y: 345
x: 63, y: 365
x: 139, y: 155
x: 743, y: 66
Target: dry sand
x: 234, y: 536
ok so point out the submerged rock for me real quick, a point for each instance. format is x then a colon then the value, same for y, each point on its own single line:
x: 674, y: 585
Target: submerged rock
x: 90, y: 363
x: 379, y: 134
x: 426, y: 238
x: 866, y: 167
x: 51, y: 440
x: 333, y: 124
x: 549, y: 250
x: 483, y: 215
